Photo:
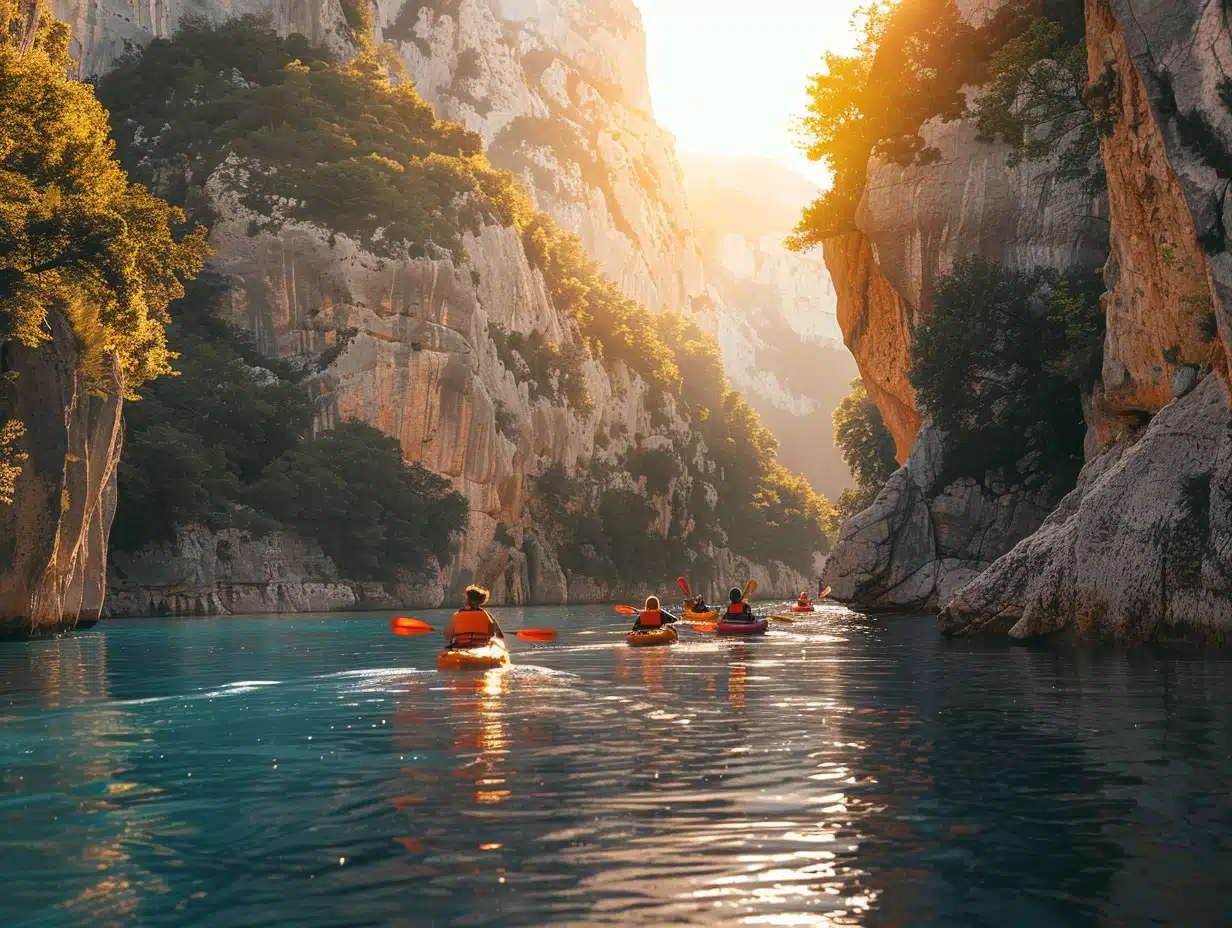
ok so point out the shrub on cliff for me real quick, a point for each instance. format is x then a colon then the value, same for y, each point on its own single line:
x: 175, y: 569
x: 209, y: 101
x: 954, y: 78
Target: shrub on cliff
x: 309, y: 138
x: 370, y: 511
x: 1001, y: 365
x: 913, y: 63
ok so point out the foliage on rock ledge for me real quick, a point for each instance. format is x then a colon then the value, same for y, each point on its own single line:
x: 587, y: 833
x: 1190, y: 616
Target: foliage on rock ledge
x: 300, y: 136
x: 867, y: 448
x: 913, y: 63
x: 1001, y: 367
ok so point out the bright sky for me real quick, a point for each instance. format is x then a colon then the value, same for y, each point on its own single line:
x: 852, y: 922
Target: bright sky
x: 728, y: 76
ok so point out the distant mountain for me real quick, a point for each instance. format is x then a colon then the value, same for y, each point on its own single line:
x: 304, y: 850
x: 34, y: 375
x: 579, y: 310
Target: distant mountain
x: 774, y: 311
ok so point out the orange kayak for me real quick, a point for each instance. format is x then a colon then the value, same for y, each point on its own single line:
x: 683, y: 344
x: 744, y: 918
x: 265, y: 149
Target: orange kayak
x: 799, y: 608
x: 664, y: 634
x: 690, y: 616
x: 494, y: 654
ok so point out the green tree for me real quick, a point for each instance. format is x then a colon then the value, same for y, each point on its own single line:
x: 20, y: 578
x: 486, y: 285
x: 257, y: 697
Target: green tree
x: 867, y: 448
x: 372, y: 513
x: 999, y: 368
x: 76, y: 238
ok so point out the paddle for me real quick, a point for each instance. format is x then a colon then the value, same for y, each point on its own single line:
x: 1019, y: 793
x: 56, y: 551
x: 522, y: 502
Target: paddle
x: 824, y: 593
x: 684, y: 587
x: 403, y: 625
x: 749, y: 588
x: 696, y: 626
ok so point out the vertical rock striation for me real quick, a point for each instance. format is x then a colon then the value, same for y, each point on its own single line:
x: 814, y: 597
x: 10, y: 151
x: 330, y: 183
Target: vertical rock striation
x: 53, y: 564
x: 1139, y: 550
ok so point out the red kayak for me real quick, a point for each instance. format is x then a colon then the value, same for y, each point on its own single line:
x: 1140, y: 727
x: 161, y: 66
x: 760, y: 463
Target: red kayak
x: 742, y: 628
x: 798, y: 608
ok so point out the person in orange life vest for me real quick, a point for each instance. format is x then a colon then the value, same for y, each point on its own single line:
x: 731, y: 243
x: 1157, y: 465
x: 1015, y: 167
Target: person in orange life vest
x: 738, y: 610
x: 804, y: 600
x: 697, y: 604
x: 471, y: 626
x: 653, y: 615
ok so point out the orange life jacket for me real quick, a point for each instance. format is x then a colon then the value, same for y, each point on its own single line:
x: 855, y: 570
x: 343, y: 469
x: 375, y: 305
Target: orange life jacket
x: 472, y: 627
x: 804, y: 601
x: 650, y: 618
x: 740, y: 608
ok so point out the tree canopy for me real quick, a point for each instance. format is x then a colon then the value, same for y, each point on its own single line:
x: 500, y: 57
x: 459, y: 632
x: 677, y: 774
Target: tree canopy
x: 75, y: 236
x: 867, y: 448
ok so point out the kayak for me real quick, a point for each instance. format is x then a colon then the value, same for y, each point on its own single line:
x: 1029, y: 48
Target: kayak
x: 664, y: 634
x: 799, y: 608
x: 742, y: 628
x: 494, y: 654
x: 691, y: 616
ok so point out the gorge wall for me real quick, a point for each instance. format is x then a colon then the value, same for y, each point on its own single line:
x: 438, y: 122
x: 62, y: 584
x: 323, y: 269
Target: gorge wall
x: 558, y: 92
x: 1138, y: 551
x: 923, y: 537
x: 775, y: 311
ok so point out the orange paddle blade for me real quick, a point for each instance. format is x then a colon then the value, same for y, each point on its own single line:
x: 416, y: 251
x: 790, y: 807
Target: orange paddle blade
x: 407, y: 626
x: 537, y: 634
x: 684, y: 586
x: 824, y: 593
x: 628, y: 610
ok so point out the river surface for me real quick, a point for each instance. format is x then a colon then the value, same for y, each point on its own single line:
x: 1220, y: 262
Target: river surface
x: 308, y: 771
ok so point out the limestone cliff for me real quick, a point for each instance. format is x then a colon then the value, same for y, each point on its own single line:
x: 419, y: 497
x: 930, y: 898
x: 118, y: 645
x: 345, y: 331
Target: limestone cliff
x: 921, y: 535
x: 54, y: 564
x: 1138, y: 550
x: 420, y: 348
x: 559, y: 92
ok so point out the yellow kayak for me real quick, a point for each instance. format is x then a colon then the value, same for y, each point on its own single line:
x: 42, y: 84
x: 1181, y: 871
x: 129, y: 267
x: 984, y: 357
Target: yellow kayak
x: 493, y: 654
x: 665, y: 634
x: 691, y: 616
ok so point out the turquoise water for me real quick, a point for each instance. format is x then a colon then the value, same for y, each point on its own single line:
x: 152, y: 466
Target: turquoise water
x: 319, y: 771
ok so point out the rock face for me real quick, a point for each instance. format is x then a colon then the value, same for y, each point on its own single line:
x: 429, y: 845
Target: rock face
x: 921, y: 538
x: 1138, y: 550
x: 774, y: 310
x: 559, y: 92
x: 234, y: 572
x: 924, y: 538
x: 53, y: 538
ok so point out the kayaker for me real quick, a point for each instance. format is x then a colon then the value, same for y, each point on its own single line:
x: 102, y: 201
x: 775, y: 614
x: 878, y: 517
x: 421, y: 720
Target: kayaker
x: 804, y: 600
x: 698, y: 605
x: 738, y: 610
x: 653, y: 616
x: 472, y: 626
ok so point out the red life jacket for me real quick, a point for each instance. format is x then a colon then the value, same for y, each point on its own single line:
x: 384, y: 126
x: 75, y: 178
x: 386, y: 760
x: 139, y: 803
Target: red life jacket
x: 472, y: 627
x: 650, y: 618
x: 741, y: 609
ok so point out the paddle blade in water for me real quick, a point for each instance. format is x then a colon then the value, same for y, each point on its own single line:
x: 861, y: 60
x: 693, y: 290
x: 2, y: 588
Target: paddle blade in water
x: 407, y: 626
x: 537, y: 634
x: 627, y: 610
x: 684, y: 586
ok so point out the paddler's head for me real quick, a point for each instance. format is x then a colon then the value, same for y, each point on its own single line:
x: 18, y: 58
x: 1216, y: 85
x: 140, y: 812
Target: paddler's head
x: 735, y: 594
x: 652, y: 604
x: 476, y: 596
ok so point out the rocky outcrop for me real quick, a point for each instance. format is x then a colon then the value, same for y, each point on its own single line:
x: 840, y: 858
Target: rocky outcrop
x: 559, y: 92
x: 53, y: 538
x: 104, y: 30
x: 1138, y: 552
x: 914, y: 221
x: 925, y: 537
x: 234, y: 572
